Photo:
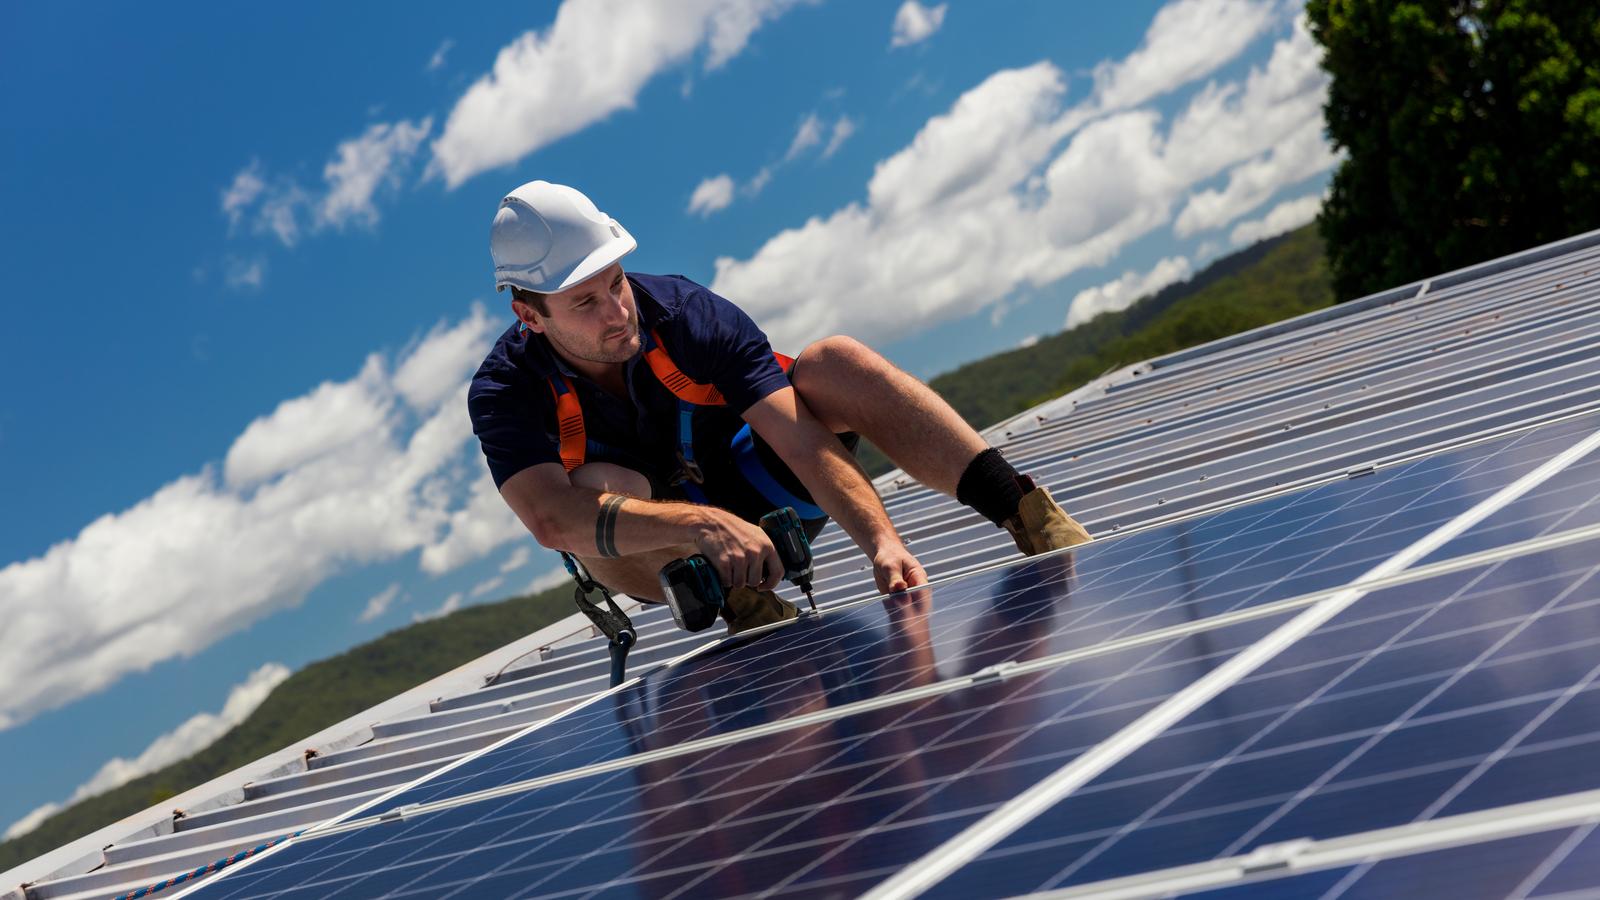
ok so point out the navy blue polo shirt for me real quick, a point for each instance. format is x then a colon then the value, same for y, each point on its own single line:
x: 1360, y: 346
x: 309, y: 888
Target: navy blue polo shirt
x: 712, y: 341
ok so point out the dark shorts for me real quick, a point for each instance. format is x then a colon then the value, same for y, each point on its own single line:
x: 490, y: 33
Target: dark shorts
x: 746, y: 477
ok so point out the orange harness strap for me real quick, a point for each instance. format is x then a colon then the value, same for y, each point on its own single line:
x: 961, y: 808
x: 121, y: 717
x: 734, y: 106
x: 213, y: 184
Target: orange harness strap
x: 569, y: 415
x: 569, y: 422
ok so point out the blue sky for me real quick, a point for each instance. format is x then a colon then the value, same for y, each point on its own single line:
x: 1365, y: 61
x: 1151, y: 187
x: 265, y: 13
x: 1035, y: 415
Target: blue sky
x: 247, y: 276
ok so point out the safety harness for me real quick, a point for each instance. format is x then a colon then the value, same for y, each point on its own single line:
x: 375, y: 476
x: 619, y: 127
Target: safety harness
x: 690, y: 394
x: 611, y: 620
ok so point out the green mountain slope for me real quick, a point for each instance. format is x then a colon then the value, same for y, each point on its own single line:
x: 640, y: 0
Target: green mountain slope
x: 1270, y: 281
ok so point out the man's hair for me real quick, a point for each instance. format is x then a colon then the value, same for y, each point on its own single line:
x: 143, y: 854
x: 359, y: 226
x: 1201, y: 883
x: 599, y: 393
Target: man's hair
x: 532, y: 299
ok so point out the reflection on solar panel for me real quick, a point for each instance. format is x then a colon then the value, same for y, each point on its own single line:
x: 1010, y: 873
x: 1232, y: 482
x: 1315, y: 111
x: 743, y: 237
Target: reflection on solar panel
x: 1339, y: 636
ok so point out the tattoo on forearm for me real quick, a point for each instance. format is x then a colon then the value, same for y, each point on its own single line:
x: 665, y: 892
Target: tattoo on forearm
x: 605, y: 527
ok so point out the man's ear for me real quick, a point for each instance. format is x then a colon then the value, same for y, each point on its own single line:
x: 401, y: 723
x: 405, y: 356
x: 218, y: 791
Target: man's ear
x: 528, y: 316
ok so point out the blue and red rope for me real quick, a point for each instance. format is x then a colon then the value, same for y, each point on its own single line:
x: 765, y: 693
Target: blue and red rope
x: 206, y: 869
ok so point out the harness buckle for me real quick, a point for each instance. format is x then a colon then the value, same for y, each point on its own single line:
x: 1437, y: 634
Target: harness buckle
x: 688, y: 470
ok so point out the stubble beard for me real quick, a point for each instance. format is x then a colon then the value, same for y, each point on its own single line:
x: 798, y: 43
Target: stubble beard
x: 600, y: 352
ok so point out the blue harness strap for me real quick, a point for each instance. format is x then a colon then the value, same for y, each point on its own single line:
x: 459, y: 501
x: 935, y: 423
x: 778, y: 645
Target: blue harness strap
x: 744, y: 453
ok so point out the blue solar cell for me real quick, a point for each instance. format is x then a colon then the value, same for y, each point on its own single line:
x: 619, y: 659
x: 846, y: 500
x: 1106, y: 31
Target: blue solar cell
x: 836, y: 805
x: 1453, y: 694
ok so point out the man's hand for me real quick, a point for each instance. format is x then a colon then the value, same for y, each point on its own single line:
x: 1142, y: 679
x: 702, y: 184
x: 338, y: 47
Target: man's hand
x: 895, y: 569
x: 741, y: 553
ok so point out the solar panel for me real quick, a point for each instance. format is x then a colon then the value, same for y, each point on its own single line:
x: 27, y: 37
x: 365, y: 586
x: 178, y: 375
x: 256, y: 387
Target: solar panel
x: 1168, y: 576
x: 1274, y: 509
x: 829, y: 754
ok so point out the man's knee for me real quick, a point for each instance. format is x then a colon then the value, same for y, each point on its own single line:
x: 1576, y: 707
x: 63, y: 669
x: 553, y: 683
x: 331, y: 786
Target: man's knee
x: 602, y: 476
x: 837, y: 354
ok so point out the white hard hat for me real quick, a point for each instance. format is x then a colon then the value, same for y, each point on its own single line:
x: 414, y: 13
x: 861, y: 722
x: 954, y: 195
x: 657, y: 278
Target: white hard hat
x: 548, y: 237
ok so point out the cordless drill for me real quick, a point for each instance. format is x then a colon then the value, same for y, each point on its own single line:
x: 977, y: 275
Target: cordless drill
x: 789, y: 536
x: 694, y: 593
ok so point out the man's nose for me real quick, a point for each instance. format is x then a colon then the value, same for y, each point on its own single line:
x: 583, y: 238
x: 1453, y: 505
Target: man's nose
x: 616, y: 311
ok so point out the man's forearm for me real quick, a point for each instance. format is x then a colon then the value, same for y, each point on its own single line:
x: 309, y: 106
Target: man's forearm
x: 838, y: 484
x: 609, y: 525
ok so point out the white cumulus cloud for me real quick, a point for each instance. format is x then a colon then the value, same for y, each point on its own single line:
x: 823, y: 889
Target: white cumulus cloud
x: 379, y: 603
x: 711, y: 195
x: 516, y: 560
x: 1303, y: 153
x: 247, y: 185
x: 362, y: 165
x: 244, y: 273
x: 1188, y: 40
x: 450, y: 605
x: 485, y: 586
x: 484, y: 524
x: 843, y: 128
x: 1285, y: 217
x: 914, y: 23
x: 552, y: 578
x: 1119, y: 294
x: 590, y: 63
x: 346, y: 475
x: 806, y: 136
x: 194, y: 735
x: 436, y: 61
x: 1010, y: 189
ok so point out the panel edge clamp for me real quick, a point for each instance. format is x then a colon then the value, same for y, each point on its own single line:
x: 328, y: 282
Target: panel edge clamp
x: 991, y: 674
x: 1274, y: 856
x: 1358, y: 471
x: 399, y: 813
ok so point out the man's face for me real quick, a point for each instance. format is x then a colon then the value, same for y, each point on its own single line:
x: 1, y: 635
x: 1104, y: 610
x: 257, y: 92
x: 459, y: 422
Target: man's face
x: 595, y: 320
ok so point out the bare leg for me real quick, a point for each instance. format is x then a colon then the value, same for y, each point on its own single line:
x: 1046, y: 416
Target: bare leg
x: 636, y: 575
x: 850, y: 387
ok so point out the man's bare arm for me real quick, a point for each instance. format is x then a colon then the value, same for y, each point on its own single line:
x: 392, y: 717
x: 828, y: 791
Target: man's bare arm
x: 586, y: 522
x: 837, y: 483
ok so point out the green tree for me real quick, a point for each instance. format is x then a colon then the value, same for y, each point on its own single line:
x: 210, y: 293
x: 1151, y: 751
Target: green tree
x: 1472, y: 129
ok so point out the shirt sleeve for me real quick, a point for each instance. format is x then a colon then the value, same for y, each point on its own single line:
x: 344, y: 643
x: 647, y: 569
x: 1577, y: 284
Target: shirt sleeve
x: 726, y: 348
x: 510, y: 425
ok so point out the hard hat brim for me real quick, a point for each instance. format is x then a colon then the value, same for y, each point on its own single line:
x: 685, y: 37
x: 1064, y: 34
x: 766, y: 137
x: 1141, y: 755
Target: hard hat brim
x: 588, y: 267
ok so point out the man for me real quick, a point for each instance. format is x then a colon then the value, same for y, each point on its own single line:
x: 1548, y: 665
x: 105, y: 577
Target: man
x: 617, y: 397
